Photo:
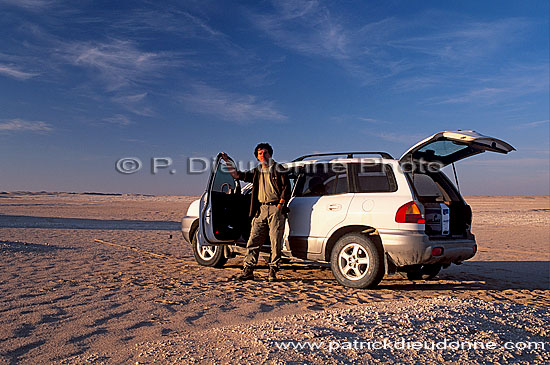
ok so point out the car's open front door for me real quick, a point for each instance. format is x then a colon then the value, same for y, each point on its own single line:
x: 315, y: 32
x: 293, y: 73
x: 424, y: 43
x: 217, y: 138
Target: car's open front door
x: 223, y: 209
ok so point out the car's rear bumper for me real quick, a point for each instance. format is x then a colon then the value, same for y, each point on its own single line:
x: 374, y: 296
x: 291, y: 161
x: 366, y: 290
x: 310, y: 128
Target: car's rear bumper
x: 415, y: 248
x: 187, y: 224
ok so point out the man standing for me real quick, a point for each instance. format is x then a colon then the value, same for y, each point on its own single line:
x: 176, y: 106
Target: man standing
x: 270, y: 194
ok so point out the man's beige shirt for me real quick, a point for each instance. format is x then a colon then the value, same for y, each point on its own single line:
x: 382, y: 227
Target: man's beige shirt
x: 266, y: 191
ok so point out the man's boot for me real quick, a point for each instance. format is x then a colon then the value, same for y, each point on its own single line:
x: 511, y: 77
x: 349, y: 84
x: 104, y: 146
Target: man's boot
x: 272, y: 276
x: 247, y: 274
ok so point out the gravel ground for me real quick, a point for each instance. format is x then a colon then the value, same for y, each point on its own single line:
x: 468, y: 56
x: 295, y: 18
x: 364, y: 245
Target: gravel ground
x: 344, y: 336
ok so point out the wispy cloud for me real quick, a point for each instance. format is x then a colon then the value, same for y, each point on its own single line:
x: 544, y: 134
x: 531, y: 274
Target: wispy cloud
x: 415, y: 83
x: 201, y: 37
x: 373, y: 120
x: 29, y: 4
x: 15, y: 73
x: 535, y: 124
x: 459, y: 40
x: 167, y: 19
x: 506, y: 84
x: 118, y: 119
x: 484, y: 94
x: 396, y: 137
x: 126, y: 69
x: 347, y: 118
x: 240, y: 108
x: 21, y: 125
x: 306, y: 27
x: 134, y: 103
x: 310, y: 28
x: 118, y: 63
x: 136, y: 140
x: 429, y: 42
x: 130, y: 98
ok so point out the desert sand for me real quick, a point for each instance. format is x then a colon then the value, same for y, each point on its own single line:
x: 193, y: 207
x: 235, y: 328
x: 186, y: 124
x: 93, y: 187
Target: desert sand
x: 108, y: 279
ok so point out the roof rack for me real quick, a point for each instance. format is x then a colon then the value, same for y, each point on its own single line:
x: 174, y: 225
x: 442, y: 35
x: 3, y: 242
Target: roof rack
x: 348, y: 154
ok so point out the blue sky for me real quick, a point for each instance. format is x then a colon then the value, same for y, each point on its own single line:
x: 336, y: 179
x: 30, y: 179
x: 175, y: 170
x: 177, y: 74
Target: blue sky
x: 83, y: 84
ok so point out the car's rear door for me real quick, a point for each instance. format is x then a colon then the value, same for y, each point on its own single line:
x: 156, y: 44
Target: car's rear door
x: 320, y: 202
x: 223, y: 209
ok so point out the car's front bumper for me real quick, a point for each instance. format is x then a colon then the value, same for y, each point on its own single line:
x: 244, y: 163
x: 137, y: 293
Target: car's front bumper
x: 415, y: 248
x: 187, y: 225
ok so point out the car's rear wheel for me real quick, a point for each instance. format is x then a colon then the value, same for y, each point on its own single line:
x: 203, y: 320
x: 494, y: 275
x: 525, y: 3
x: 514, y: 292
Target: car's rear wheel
x: 207, y: 255
x: 357, y: 262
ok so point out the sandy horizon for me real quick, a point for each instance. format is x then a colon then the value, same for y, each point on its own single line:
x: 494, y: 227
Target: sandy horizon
x: 101, y: 193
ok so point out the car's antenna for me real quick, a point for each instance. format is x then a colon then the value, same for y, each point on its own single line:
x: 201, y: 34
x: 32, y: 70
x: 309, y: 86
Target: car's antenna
x: 456, y: 178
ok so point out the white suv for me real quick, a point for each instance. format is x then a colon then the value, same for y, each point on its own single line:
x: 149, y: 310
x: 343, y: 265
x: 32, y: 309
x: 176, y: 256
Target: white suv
x: 365, y: 216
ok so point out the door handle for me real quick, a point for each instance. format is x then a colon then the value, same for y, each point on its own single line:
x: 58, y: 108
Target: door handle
x: 334, y: 207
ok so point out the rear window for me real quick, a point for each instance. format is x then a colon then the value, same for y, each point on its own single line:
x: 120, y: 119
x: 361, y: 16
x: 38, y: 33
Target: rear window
x: 442, y: 148
x: 374, y: 178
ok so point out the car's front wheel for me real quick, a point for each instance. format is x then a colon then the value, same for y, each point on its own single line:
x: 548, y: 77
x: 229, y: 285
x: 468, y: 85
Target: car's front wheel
x: 207, y: 255
x: 357, y: 262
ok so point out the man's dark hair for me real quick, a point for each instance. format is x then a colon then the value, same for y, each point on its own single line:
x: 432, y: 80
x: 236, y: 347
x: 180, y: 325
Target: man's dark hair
x: 263, y: 146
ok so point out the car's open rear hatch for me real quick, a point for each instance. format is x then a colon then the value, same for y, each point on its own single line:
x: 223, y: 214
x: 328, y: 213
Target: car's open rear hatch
x: 451, y: 146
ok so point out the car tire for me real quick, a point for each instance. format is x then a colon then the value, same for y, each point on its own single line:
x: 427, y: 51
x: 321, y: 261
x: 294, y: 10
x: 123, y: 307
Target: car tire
x: 212, y: 256
x: 357, y: 262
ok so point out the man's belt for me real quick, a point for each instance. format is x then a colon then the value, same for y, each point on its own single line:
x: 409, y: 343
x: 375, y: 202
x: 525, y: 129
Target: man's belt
x: 270, y: 203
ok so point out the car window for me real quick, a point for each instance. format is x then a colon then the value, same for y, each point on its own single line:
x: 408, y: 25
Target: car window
x: 337, y: 184
x: 292, y: 175
x: 439, y: 149
x: 374, y: 178
x: 223, y: 181
x: 322, y: 179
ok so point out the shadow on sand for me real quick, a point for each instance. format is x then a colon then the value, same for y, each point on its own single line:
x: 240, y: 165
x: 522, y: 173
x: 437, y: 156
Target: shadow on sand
x: 475, y: 275
x: 9, y: 246
x: 23, y: 221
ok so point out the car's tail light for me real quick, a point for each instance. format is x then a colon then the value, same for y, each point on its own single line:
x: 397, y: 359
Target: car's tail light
x: 437, y: 251
x: 409, y: 213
